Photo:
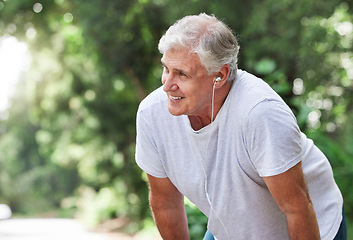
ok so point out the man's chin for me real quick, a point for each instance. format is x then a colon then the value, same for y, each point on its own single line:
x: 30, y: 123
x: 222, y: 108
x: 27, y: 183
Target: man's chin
x: 175, y: 113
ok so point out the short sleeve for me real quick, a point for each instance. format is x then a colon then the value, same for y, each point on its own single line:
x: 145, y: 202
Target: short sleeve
x: 146, y: 155
x: 273, y: 138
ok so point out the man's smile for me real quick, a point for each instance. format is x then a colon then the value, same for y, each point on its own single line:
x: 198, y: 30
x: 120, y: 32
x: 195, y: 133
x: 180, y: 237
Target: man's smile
x: 175, y: 98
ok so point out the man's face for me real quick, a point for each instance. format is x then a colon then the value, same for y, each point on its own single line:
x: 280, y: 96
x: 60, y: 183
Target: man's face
x: 187, y: 84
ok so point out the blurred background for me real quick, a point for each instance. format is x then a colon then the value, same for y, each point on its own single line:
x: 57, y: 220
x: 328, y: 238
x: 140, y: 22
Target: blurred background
x: 72, y: 74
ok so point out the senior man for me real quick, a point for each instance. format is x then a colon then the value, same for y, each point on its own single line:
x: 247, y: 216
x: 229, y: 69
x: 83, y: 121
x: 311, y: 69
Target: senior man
x: 224, y: 139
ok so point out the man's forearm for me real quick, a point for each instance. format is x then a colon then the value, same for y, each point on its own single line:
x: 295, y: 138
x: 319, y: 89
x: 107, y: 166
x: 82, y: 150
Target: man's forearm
x: 167, y: 205
x: 303, y: 225
x: 171, y: 223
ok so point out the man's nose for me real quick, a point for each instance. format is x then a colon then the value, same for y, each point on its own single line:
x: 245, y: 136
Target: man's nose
x: 169, y: 83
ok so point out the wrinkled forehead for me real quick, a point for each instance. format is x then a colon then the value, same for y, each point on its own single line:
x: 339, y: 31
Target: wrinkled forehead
x: 182, y: 58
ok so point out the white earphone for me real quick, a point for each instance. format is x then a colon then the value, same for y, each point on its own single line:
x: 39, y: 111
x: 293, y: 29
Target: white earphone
x: 201, y: 161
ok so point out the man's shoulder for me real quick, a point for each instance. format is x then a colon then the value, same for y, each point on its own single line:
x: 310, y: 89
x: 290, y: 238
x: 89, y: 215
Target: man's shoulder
x: 252, y: 86
x: 249, y: 90
x: 153, y: 100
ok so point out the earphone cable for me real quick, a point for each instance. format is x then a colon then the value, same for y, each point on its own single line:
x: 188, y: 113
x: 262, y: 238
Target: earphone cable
x: 203, y: 168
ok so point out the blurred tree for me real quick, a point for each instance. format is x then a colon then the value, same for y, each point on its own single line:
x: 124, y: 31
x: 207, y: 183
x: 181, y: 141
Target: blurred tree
x: 29, y: 183
x: 87, y: 84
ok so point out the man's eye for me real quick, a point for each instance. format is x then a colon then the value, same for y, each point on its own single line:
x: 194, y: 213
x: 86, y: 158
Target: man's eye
x: 182, y: 74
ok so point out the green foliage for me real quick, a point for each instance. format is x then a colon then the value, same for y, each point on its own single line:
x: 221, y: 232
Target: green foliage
x: 69, y: 137
x: 196, y: 219
x: 29, y: 182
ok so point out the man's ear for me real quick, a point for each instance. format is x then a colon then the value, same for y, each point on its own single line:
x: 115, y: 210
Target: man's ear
x: 222, y: 76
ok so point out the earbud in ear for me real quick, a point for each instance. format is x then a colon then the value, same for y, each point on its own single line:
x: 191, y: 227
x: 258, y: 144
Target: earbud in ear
x: 218, y: 79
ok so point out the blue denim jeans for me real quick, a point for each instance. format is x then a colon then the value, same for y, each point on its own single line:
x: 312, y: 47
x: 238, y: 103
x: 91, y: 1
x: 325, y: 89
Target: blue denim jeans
x: 341, y: 234
x: 208, y: 236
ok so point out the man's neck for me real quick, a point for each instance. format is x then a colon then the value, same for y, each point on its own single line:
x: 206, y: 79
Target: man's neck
x: 198, y: 122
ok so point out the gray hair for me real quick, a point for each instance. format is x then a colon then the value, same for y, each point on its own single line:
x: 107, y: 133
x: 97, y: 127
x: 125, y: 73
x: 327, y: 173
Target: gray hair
x: 210, y: 38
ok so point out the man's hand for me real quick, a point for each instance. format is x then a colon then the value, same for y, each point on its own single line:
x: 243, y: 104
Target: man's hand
x: 167, y: 205
x: 290, y: 192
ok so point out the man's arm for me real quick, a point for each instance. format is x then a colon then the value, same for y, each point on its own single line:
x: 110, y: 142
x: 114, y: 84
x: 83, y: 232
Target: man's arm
x: 290, y: 192
x: 167, y: 205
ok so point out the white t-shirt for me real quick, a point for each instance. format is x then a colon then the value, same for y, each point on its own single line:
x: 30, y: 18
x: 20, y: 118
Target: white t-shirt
x: 254, y: 135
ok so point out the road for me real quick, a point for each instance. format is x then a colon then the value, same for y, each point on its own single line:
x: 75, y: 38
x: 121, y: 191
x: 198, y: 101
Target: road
x: 52, y: 229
